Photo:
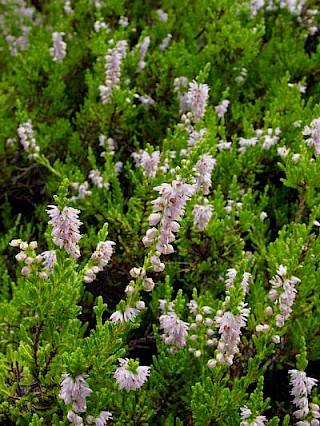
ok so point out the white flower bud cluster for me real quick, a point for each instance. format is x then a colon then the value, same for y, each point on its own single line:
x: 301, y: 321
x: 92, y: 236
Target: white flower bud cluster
x: 148, y: 162
x: 129, y: 314
x: 197, y: 97
x: 59, y: 49
x: 75, y: 391
x: 113, y: 71
x: 27, y: 139
x: 313, y: 131
x: 283, y: 294
x: 98, y: 261
x: 144, y: 45
x: 180, y: 87
x: 163, y: 16
x: 255, y: 420
x: 109, y: 143
x: 17, y: 44
x: 165, y: 43
x: 128, y: 379
x: 301, y: 388
x: 97, y: 179
x: 204, y: 167
x: 202, y: 215
x: 222, y: 108
x: 82, y: 191
x: 230, y: 323
x: 174, y: 329
x: 202, y: 331
x: 27, y: 255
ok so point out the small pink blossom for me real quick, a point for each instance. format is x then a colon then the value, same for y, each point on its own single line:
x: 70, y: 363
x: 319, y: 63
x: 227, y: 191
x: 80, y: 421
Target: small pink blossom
x: 128, y: 379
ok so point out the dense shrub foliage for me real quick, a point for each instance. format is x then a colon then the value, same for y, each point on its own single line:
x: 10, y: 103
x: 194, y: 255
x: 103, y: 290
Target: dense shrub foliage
x: 160, y: 212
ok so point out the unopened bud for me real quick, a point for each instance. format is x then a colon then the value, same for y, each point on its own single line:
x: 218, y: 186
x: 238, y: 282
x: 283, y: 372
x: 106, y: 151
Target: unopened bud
x: 21, y: 256
x: 43, y: 275
x: 33, y: 245
x: 24, y: 246
x: 148, y: 284
x: 276, y: 339
x: 25, y: 271
x: 211, y: 363
x: 129, y: 289
x: 15, y: 243
x: 140, y: 305
x: 29, y: 260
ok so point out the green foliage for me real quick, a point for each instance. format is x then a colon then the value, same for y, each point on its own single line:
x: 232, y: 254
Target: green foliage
x: 258, y: 253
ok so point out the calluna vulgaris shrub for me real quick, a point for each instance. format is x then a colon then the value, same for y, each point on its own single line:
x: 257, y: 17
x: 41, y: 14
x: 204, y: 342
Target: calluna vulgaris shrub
x: 160, y: 212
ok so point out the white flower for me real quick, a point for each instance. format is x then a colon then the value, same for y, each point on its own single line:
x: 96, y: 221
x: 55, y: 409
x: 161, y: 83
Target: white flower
x: 103, y: 418
x: 314, y: 135
x: 222, y: 108
x: 175, y: 330
x: 27, y: 139
x: 59, y: 49
x: 75, y: 391
x: 128, y: 379
x: 197, y: 99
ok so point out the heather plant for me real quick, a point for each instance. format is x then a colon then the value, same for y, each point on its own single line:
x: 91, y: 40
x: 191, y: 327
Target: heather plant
x: 159, y: 212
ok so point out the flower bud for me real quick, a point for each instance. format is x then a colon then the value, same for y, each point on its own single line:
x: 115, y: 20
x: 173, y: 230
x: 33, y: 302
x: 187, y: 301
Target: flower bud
x: 24, y: 245
x: 15, y: 243
x: 25, y: 271
x: 43, y: 275
x: 140, y: 305
x: 29, y: 260
x: 197, y: 354
x: 211, y: 363
x: 199, y: 318
x: 276, y: 339
x: 129, y: 289
x: 21, y: 256
x: 154, y: 219
x: 148, y: 284
x: 33, y: 245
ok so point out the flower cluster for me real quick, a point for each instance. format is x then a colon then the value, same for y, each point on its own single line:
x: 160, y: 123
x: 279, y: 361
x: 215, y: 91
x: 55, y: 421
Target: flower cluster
x: 202, y: 215
x: 148, y: 162
x: 301, y: 388
x: 75, y: 391
x: 65, y: 231
x: 285, y: 297
x: 313, y: 131
x: 31, y: 260
x: 165, y: 42
x: 143, y: 51
x: 204, y: 167
x: 174, y: 329
x: 171, y: 203
x: 27, y: 139
x: 97, y: 179
x: 180, y: 87
x: 82, y: 191
x: 197, y: 100
x: 246, y: 413
x: 113, y: 71
x: 99, y: 259
x: 131, y: 376
x: 222, y: 108
x: 59, y: 49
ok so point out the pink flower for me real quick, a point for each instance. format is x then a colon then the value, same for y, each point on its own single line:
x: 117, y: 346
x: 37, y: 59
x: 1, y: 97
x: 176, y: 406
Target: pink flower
x: 175, y: 330
x: 301, y: 388
x: 314, y: 132
x: 113, y: 71
x: 204, y: 167
x: 75, y: 391
x: 65, y: 228
x: 202, y: 216
x: 129, y: 376
x: 222, y: 108
x: 197, y: 99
